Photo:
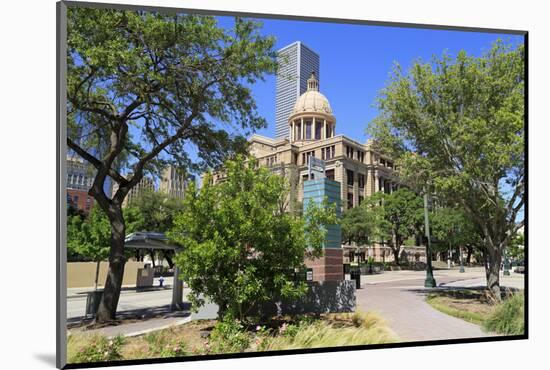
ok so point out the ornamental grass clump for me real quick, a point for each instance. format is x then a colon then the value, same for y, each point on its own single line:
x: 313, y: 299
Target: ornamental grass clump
x: 508, y: 317
x: 354, y: 329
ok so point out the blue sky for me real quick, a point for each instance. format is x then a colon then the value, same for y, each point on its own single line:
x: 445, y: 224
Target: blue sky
x: 356, y: 60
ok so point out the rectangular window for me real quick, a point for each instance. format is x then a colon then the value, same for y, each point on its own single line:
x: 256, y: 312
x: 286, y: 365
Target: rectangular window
x: 329, y: 174
x: 350, y: 200
x: 349, y: 174
x: 361, y: 180
x: 323, y: 153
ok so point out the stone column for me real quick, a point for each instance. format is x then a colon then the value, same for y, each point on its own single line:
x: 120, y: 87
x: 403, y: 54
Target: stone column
x: 313, y: 129
x: 376, y: 182
x: 303, y: 129
x: 324, y: 133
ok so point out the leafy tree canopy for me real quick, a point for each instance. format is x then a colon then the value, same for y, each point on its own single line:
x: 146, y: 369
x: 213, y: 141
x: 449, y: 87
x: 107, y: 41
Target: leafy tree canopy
x: 457, y: 125
x: 145, y: 89
x: 397, y: 216
x: 89, y: 236
x: 358, y: 225
x: 151, y: 211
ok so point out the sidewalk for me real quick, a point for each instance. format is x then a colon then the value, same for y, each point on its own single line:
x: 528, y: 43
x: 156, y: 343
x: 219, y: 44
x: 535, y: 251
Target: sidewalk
x: 400, y: 299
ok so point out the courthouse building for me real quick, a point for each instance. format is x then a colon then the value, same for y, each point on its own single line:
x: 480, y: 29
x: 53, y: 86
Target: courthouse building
x: 359, y: 167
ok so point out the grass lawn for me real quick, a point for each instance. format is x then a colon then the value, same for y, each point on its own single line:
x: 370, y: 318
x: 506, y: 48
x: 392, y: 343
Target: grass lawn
x: 474, y: 306
x: 469, y: 305
x: 203, y: 337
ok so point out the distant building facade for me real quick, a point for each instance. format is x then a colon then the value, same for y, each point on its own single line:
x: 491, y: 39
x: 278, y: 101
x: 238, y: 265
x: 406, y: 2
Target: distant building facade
x: 144, y: 185
x: 174, y: 181
x: 296, y: 62
x: 80, y: 177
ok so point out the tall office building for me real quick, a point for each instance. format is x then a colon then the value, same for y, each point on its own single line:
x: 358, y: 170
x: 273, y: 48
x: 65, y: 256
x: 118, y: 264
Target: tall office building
x: 296, y: 62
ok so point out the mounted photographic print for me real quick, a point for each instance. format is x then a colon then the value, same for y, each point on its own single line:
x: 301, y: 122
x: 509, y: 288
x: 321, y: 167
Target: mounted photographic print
x: 235, y: 185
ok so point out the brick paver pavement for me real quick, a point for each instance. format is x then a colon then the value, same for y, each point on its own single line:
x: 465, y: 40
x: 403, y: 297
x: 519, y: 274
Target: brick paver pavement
x: 401, y: 301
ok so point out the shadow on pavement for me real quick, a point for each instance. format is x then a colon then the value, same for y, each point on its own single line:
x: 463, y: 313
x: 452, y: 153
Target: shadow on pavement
x: 137, y: 315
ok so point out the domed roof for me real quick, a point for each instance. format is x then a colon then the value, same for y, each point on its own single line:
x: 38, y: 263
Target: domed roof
x: 312, y: 100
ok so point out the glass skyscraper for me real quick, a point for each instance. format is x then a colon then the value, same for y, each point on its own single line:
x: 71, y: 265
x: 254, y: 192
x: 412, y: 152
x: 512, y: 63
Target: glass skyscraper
x: 296, y: 62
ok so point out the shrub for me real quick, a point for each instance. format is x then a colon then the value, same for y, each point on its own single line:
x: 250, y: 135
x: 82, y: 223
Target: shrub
x: 228, y: 336
x: 94, y: 348
x: 508, y: 317
x: 162, y: 344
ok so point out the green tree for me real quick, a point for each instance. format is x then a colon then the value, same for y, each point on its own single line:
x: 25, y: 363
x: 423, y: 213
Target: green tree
x: 146, y: 88
x: 456, y: 126
x: 398, y: 216
x: 90, y: 237
x: 452, y: 228
x: 357, y: 225
x: 516, y: 249
x: 240, y: 246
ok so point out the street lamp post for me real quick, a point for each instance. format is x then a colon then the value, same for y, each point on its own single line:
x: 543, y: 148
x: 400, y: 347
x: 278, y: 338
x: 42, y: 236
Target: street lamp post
x: 430, y: 281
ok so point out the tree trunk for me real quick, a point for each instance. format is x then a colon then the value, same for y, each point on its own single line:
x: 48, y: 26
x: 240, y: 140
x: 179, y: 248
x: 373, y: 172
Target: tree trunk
x: 469, y: 255
x: 396, y: 255
x: 113, y: 283
x: 97, y: 273
x: 492, y: 267
x: 152, y: 254
x: 168, y: 258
